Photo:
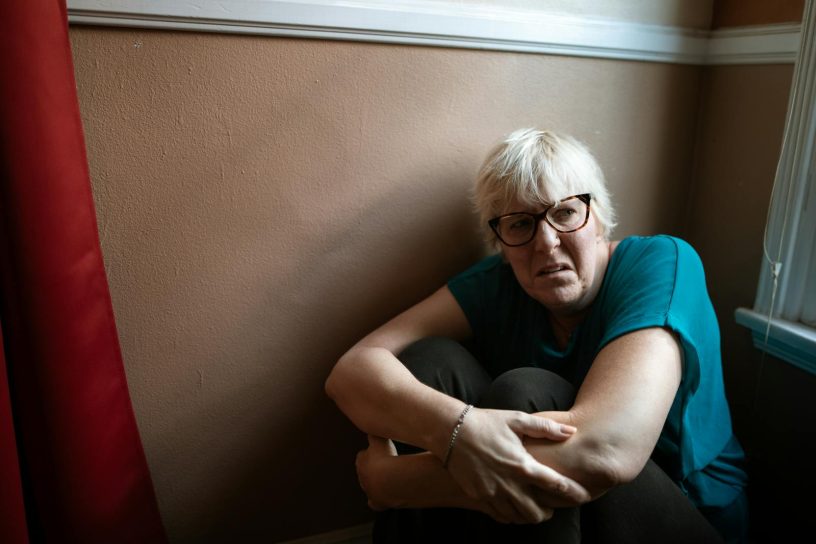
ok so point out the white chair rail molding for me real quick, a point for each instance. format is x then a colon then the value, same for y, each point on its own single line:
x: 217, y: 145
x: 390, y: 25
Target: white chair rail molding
x: 496, y: 25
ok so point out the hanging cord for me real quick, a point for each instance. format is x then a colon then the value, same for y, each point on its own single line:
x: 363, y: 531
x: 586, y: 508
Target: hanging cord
x: 774, y: 264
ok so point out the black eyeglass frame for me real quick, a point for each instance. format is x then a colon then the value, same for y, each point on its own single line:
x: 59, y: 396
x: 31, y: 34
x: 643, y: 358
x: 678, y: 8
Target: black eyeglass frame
x: 494, y: 223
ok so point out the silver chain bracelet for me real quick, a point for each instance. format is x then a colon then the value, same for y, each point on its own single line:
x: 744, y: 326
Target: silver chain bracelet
x: 455, y: 433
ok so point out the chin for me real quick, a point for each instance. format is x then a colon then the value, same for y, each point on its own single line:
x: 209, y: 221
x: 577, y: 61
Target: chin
x: 557, y: 304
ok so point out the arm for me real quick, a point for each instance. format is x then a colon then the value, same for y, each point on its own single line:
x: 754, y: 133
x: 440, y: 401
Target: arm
x: 382, y: 398
x: 420, y: 481
x: 620, y: 411
x: 407, y: 481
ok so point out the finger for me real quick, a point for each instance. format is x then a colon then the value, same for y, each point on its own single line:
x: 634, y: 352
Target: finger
x: 491, y: 511
x: 517, y: 506
x: 541, y: 427
x: 556, y: 484
x: 530, y: 511
x: 378, y: 443
x: 507, y: 513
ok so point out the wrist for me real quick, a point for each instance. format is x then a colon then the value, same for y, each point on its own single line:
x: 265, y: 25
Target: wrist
x: 444, y: 420
x: 460, y: 421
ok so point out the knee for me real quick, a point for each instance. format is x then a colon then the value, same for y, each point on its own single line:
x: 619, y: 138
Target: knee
x: 433, y: 360
x: 529, y: 390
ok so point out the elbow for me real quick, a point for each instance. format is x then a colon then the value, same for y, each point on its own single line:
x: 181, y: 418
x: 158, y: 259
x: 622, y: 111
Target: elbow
x: 335, y: 380
x: 330, y: 385
x: 608, y: 467
x: 615, y: 472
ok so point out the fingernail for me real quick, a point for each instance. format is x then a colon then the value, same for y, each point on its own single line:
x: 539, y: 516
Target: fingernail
x: 568, y: 429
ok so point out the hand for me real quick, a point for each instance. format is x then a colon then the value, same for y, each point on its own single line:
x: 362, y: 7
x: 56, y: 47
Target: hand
x: 491, y: 464
x: 370, y: 463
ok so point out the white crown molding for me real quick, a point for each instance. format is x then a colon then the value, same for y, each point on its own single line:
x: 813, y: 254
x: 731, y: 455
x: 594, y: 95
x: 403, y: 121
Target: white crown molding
x: 448, y: 24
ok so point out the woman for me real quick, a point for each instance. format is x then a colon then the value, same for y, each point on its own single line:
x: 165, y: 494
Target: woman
x: 592, y: 377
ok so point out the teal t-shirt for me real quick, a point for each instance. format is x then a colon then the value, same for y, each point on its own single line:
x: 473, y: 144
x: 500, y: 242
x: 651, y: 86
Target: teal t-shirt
x: 655, y: 281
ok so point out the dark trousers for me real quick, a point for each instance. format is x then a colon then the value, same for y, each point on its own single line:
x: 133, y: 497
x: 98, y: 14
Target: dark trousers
x: 651, y: 508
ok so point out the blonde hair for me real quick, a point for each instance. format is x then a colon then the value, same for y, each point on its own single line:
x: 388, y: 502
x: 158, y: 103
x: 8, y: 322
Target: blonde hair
x: 540, y: 167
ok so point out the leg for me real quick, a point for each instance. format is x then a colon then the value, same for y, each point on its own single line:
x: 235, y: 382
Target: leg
x: 444, y: 365
x: 534, y: 390
x: 650, y: 508
x: 448, y: 367
x: 529, y: 390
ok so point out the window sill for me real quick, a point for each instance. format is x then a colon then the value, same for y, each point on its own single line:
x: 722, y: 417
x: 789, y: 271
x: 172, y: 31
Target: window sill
x: 792, y: 342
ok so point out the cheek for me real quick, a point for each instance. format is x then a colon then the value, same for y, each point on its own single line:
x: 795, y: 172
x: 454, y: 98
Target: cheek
x: 585, y: 258
x: 519, y: 262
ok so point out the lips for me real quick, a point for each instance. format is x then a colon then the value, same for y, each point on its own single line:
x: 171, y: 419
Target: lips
x: 551, y: 269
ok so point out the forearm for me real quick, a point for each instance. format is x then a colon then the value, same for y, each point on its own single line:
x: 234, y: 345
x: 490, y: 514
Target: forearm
x: 587, y: 457
x: 382, y: 398
x: 420, y: 481
x: 620, y: 411
x: 416, y: 481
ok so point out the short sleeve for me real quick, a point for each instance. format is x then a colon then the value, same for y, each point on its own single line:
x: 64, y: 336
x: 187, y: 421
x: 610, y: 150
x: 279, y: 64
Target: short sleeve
x: 474, y: 288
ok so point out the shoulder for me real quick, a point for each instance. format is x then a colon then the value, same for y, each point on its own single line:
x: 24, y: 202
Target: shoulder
x: 655, y: 251
x: 492, y: 266
x: 657, y: 243
x: 648, y: 272
x: 481, y: 289
x: 489, y: 265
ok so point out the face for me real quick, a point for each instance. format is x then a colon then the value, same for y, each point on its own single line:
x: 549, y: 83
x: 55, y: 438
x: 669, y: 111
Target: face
x: 562, y: 271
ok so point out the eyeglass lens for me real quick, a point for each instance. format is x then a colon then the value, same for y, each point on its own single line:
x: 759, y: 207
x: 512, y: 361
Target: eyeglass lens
x: 519, y: 228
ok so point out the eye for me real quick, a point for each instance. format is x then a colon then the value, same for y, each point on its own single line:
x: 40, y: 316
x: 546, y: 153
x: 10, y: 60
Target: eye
x: 563, y: 213
x: 522, y: 222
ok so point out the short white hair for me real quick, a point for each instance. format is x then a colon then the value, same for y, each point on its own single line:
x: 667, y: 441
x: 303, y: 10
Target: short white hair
x: 540, y: 167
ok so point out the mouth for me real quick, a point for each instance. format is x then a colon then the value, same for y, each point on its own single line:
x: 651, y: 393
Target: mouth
x: 552, y: 269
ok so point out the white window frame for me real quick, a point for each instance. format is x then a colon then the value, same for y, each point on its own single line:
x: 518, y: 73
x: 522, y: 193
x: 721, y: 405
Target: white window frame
x: 783, y: 320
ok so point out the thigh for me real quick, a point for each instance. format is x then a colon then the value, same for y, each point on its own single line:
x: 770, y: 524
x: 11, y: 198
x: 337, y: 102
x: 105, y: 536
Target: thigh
x: 530, y: 390
x: 447, y: 366
x: 650, y: 508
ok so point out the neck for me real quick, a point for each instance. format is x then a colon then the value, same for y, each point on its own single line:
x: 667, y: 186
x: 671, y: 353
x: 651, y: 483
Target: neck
x: 564, y: 324
x: 563, y: 327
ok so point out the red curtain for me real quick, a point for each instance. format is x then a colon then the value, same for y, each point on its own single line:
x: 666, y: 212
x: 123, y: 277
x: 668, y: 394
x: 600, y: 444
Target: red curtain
x: 72, y: 466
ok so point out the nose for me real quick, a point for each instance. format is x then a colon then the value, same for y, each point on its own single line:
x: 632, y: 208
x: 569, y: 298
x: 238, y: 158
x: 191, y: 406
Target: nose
x: 546, y: 237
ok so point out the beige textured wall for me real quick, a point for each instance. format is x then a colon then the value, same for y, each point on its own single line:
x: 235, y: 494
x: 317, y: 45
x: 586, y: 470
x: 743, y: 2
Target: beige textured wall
x: 730, y: 13
x: 264, y: 202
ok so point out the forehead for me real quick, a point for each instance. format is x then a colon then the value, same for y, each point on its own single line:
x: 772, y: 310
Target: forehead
x: 520, y: 203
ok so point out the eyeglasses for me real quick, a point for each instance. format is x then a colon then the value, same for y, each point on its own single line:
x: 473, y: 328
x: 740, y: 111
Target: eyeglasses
x: 519, y: 228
